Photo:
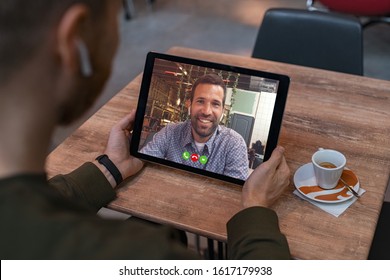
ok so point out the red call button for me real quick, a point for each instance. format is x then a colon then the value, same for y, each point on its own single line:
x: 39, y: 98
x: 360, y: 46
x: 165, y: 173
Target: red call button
x: 194, y: 157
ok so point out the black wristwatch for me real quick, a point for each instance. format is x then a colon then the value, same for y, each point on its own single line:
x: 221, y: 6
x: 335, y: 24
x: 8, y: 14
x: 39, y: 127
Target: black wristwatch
x: 104, y: 160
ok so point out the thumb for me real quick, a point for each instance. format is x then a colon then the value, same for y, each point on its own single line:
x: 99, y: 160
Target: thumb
x: 276, y: 158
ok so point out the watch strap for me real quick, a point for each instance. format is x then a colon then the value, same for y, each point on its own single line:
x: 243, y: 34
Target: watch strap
x: 111, y: 167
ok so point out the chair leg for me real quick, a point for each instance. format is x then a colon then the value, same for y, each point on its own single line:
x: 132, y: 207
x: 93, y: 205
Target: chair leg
x: 310, y: 5
x: 375, y: 20
x: 129, y: 9
x: 210, y: 247
x: 220, y: 250
x: 197, y: 244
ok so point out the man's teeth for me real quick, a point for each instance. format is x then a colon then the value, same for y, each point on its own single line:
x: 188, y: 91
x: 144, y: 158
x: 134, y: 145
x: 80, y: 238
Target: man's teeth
x: 204, y: 121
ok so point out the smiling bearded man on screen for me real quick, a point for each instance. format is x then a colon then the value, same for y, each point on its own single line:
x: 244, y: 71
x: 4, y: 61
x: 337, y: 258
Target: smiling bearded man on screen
x: 217, y: 148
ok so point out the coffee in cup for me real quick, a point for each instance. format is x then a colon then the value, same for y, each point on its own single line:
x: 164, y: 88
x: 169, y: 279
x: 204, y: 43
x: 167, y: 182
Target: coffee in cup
x: 328, y: 166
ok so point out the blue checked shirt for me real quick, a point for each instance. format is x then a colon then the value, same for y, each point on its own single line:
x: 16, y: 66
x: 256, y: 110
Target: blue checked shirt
x: 226, y: 150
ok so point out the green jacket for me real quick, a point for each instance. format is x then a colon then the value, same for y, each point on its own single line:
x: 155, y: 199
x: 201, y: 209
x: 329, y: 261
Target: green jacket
x: 57, y: 219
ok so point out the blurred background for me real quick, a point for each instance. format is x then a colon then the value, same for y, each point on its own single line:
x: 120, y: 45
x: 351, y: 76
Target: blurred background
x: 227, y: 26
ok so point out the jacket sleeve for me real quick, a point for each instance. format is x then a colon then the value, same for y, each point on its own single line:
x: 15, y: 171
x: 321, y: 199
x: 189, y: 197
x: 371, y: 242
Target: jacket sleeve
x: 254, y: 234
x: 87, y: 184
x: 95, y: 238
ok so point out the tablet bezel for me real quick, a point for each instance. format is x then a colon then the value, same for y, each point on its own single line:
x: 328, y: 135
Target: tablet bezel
x: 275, y: 126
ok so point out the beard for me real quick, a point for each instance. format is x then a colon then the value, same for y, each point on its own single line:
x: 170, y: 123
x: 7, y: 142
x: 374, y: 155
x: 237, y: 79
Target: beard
x: 204, y: 126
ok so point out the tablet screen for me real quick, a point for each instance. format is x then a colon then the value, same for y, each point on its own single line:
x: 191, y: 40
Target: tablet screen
x: 208, y: 118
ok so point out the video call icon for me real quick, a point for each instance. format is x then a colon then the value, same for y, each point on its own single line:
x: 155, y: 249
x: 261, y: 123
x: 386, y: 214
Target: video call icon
x: 203, y: 159
x: 186, y: 155
x: 194, y: 157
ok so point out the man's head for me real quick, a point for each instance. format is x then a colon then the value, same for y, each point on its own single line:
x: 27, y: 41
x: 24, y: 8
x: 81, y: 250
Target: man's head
x: 207, y: 103
x: 44, y: 36
x: 211, y: 79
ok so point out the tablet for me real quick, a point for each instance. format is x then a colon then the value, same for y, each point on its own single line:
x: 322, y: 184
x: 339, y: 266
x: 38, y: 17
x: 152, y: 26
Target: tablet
x: 211, y: 119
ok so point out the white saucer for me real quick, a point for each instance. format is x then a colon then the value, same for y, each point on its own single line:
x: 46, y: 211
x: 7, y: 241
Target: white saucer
x: 305, y: 183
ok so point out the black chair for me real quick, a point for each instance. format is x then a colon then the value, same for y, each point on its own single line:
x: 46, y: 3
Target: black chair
x: 311, y: 38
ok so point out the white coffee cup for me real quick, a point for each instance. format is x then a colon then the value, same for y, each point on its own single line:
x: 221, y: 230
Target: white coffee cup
x: 328, y: 166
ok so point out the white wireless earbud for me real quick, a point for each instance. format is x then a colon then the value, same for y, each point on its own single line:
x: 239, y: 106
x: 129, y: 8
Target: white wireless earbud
x: 189, y: 111
x: 221, y: 118
x: 85, y: 63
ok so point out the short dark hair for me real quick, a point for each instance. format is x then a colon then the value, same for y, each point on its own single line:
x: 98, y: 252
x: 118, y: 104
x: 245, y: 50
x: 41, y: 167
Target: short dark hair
x: 23, y: 25
x: 212, y: 79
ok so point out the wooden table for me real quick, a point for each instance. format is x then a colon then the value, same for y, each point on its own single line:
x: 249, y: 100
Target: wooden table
x: 324, y: 109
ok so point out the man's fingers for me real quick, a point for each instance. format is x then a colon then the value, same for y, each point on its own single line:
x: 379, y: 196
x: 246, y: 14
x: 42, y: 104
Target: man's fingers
x: 285, y: 170
x: 284, y: 166
x: 127, y: 121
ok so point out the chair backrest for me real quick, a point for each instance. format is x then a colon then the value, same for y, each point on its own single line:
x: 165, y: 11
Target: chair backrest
x: 311, y: 38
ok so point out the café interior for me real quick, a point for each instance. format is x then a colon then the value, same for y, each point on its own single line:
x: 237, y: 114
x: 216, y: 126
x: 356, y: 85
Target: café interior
x: 233, y: 27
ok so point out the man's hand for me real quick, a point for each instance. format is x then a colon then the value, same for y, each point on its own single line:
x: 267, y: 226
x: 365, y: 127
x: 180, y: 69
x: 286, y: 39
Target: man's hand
x: 267, y: 182
x: 118, y: 149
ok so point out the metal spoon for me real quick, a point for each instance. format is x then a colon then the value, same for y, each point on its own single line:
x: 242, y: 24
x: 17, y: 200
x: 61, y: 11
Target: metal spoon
x: 350, y: 188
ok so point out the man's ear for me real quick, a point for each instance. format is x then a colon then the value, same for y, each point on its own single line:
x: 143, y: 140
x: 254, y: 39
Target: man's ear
x: 69, y: 36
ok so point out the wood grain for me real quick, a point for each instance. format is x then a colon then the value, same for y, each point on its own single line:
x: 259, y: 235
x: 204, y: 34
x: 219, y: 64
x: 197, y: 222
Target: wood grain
x: 324, y: 109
